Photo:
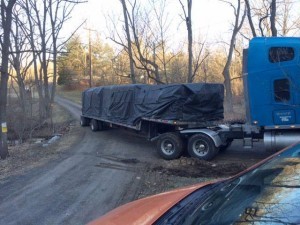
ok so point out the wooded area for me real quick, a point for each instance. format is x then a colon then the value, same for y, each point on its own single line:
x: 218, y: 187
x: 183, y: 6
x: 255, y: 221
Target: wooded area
x: 35, y: 57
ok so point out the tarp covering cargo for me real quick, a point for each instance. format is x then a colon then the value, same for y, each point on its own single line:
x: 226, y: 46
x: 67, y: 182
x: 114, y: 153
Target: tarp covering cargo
x: 127, y: 104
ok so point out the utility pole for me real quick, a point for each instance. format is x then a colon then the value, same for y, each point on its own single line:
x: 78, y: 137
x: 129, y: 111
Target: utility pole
x: 90, y: 56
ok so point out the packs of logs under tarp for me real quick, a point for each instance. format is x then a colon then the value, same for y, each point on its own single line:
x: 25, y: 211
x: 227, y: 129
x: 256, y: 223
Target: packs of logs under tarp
x: 128, y: 104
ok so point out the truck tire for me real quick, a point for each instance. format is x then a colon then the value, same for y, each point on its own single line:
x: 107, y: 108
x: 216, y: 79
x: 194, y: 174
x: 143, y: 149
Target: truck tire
x: 169, y: 146
x: 84, y: 121
x: 202, y: 147
x: 94, y: 125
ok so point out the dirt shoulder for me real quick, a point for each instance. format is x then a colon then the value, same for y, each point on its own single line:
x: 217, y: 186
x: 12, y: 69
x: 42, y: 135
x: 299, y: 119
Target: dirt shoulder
x: 167, y: 175
x: 37, y: 151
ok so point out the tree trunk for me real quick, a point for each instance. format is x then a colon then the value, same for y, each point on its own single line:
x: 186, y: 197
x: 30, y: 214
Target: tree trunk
x: 129, y: 47
x: 227, y: 84
x: 44, y: 63
x: 190, y: 41
x: 6, y: 19
x: 188, y: 21
x: 226, y: 71
x: 54, y: 40
x: 226, y: 74
x: 273, y: 18
x: 249, y: 16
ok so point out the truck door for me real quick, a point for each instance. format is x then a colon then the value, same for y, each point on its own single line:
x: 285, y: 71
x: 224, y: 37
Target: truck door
x: 283, y: 85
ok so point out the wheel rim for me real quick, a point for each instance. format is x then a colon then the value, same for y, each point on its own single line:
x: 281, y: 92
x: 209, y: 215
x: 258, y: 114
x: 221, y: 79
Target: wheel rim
x: 167, y: 147
x: 200, y: 148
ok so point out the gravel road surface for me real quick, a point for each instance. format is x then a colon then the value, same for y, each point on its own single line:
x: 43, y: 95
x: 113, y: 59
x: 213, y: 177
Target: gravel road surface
x: 93, y: 177
x: 99, y: 172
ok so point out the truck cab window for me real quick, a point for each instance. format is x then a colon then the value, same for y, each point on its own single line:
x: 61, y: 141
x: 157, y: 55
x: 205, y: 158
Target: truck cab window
x: 282, y: 90
x: 281, y: 54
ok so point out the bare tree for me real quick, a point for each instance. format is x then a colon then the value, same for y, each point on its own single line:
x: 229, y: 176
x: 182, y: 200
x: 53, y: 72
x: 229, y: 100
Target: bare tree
x: 6, y: 21
x: 287, y: 18
x: 272, y: 18
x: 149, y: 24
x: 129, y: 47
x: 200, y: 55
x: 59, y: 12
x: 143, y: 48
x: 45, y: 21
x: 21, y: 61
x: 240, y: 15
x: 159, y: 33
x: 147, y: 55
x: 188, y: 21
x: 36, y: 33
x: 19, y: 55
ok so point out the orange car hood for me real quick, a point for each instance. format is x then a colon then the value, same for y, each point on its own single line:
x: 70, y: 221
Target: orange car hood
x: 145, y: 211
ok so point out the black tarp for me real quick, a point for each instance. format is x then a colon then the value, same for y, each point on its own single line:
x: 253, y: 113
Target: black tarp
x: 127, y: 104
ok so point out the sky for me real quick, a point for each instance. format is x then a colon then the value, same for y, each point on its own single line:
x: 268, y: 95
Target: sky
x: 211, y: 18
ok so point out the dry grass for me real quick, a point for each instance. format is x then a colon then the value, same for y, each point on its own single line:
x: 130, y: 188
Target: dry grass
x: 60, y: 115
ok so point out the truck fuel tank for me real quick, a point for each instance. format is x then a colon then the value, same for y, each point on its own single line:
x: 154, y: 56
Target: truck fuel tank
x: 276, y: 140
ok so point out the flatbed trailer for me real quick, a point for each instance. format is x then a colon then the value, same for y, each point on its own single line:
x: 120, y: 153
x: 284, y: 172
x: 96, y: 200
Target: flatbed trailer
x: 169, y: 134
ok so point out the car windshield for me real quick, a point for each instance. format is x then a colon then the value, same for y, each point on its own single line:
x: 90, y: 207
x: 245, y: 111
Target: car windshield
x: 269, y: 194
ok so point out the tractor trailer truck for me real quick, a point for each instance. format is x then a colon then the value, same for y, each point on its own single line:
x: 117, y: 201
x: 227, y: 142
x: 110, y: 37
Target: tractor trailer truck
x: 190, y: 116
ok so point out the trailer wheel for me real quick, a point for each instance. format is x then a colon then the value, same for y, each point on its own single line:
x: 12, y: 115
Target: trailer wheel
x: 84, y: 121
x: 202, y: 146
x: 169, y: 146
x: 94, y: 125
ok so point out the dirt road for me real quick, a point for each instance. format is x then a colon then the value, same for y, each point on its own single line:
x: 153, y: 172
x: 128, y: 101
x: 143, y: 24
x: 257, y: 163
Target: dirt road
x: 101, y: 171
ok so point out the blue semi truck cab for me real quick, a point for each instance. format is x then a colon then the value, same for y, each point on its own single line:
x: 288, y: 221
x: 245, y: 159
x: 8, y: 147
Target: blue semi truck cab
x: 271, y: 75
x: 273, y: 80
x: 272, y: 89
